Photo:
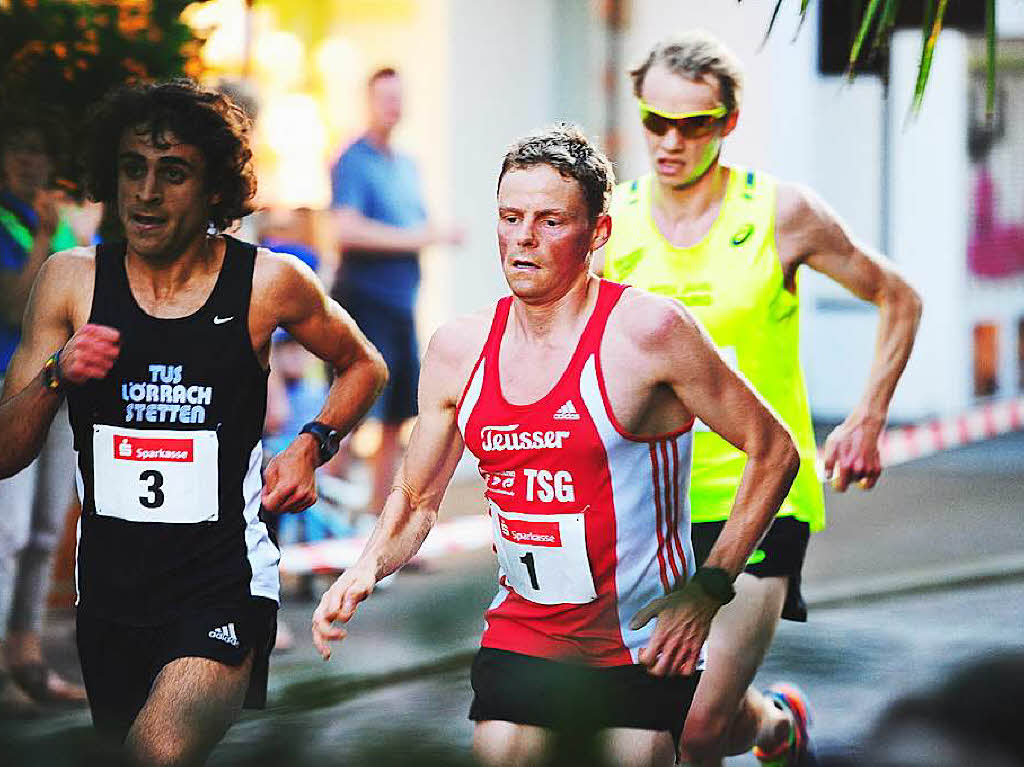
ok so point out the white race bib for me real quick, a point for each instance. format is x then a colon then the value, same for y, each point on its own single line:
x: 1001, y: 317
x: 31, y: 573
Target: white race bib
x: 544, y: 556
x: 155, y: 475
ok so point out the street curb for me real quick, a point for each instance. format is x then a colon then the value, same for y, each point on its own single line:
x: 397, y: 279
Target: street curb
x: 840, y: 594
x: 935, y: 578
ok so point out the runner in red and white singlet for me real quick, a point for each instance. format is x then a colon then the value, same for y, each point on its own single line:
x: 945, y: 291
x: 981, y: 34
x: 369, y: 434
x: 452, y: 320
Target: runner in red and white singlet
x: 590, y: 523
x: 577, y: 397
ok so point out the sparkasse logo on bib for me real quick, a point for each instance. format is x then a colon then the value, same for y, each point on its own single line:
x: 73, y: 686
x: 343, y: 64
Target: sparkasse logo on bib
x: 530, y: 533
x: 152, y: 449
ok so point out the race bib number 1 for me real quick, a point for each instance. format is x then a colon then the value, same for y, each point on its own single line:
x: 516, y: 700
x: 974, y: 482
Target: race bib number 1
x: 544, y: 556
x: 155, y: 475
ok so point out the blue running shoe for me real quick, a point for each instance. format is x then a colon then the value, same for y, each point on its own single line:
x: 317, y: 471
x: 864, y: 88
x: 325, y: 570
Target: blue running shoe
x: 798, y: 751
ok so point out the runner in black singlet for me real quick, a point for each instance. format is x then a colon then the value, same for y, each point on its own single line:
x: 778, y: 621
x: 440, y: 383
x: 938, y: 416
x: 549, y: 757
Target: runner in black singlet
x: 161, y: 344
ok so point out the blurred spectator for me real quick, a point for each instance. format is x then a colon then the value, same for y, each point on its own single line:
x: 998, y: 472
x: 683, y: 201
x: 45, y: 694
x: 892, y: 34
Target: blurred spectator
x: 381, y: 227
x: 974, y: 718
x: 290, y: 231
x: 33, y: 503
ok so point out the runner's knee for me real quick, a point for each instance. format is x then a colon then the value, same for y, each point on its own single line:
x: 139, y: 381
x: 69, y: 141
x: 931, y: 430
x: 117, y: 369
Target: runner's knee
x: 704, y: 735
x: 497, y: 744
x: 159, y: 750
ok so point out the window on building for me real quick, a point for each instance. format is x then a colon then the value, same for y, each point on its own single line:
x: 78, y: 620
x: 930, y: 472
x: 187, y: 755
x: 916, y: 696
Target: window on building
x: 1020, y: 354
x: 986, y: 359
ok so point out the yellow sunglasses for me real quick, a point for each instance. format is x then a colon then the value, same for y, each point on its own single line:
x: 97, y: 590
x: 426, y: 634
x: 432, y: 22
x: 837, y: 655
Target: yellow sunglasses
x: 689, y: 124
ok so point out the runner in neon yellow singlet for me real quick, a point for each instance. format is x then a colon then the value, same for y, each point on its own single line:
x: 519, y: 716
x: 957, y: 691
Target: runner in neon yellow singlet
x: 733, y: 282
x: 727, y: 242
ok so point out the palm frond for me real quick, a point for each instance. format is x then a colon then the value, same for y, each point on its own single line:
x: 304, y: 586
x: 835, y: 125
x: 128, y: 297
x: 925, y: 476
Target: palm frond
x: 858, y: 41
x: 885, y: 24
x: 771, y: 23
x: 931, y: 33
x: 803, y: 16
x: 990, y: 80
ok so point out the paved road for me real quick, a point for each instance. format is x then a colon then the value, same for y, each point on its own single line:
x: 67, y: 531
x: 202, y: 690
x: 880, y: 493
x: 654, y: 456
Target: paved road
x: 399, y: 684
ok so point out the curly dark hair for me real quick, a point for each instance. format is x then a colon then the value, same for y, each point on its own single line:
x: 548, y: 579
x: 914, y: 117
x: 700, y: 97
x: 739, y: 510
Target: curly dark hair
x: 567, y: 149
x: 206, y: 119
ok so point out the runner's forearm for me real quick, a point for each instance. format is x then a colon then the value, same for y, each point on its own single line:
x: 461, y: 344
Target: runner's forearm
x: 398, y: 534
x: 352, y: 393
x: 764, y: 485
x: 899, y: 314
x: 25, y: 419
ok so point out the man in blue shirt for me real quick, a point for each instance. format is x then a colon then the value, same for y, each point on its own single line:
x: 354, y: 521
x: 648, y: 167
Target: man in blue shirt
x: 34, y: 502
x: 382, y: 226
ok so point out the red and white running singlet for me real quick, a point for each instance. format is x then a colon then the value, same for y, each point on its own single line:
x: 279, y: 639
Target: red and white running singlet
x: 590, y: 523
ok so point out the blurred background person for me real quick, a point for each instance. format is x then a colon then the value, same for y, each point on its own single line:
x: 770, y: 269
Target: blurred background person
x: 33, y: 504
x: 973, y: 718
x: 382, y: 226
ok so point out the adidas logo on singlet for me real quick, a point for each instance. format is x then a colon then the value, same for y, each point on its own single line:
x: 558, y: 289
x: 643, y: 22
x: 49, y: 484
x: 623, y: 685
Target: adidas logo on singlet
x: 225, y: 634
x: 567, y: 412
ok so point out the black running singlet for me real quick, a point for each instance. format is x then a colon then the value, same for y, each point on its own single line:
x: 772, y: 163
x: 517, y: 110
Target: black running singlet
x: 169, y: 454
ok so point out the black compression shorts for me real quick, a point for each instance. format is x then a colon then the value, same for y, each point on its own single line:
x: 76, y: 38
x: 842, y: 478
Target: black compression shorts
x: 120, y: 662
x: 781, y: 553
x: 574, y: 699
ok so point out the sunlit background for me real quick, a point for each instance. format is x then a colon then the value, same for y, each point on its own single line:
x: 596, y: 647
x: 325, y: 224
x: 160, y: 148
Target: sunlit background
x: 477, y: 74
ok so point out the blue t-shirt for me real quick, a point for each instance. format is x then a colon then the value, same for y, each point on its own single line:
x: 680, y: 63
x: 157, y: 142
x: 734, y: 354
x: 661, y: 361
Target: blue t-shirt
x: 382, y: 186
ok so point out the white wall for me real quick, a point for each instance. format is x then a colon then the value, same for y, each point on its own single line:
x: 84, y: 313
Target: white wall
x: 501, y: 84
x: 929, y: 219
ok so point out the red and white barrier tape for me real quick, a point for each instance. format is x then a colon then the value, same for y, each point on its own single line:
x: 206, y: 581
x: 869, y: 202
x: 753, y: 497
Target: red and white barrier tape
x: 907, y: 443
x: 897, y: 445
x: 469, y: 533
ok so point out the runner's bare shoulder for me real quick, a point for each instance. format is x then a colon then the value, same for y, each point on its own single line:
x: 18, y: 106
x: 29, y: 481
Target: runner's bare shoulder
x: 454, y: 349
x: 279, y: 274
x: 650, y: 323
x: 66, y: 282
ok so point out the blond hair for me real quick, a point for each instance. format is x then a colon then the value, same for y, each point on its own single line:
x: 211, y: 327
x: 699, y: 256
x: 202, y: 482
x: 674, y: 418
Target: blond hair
x: 694, y: 55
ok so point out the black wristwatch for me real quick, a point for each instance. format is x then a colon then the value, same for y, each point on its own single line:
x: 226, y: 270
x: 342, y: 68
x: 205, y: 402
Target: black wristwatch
x: 715, y: 582
x: 328, y: 438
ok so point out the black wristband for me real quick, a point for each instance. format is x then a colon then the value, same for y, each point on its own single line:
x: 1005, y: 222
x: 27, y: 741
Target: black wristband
x: 327, y: 437
x: 51, y: 373
x: 715, y: 582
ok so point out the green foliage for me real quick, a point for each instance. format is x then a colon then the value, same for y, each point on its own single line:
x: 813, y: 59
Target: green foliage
x: 931, y: 27
x: 68, y: 53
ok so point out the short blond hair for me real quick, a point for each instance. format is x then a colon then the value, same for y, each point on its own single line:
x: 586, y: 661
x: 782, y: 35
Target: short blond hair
x: 693, y: 55
x: 566, y: 148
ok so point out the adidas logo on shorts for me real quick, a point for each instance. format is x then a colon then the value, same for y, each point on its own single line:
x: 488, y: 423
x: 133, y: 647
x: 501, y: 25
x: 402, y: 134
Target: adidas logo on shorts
x: 567, y: 412
x: 225, y: 634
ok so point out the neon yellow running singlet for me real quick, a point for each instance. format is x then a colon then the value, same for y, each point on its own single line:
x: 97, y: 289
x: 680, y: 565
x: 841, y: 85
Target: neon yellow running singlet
x: 733, y: 282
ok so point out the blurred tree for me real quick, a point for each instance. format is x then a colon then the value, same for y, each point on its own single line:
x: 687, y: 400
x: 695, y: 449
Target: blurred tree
x: 878, y: 19
x: 66, y: 54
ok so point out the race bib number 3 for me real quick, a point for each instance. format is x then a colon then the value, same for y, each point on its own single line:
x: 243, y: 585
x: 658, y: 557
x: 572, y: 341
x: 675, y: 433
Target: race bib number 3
x: 155, y: 475
x: 544, y: 556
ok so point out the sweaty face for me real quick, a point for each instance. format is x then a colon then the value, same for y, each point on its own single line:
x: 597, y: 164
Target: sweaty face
x: 161, y: 195
x: 385, y: 102
x: 679, y: 161
x: 25, y: 166
x: 544, y: 232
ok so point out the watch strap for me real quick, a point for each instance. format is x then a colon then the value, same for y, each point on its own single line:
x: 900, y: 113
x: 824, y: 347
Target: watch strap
x: 715, y: 582
x: 327, y: 437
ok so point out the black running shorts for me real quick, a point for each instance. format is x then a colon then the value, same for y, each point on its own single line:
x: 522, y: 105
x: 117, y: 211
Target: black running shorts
x: 121, y: 662
x: 781, y: 553
x: 575, y: 699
